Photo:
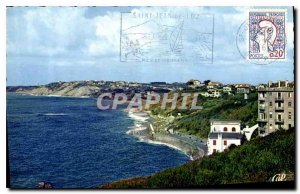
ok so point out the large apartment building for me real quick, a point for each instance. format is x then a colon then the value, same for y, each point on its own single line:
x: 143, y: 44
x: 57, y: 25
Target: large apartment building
x: 275, y: 107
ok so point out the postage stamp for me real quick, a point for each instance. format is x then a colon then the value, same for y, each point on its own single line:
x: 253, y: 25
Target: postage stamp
x: 267, y: 34
x: 166, y: 37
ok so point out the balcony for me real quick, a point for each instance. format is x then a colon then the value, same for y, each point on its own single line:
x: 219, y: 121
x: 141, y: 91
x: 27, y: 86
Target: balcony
x: 279, y: 121
x: 279, y: 109
x: 261, y: 107
x: 262, y: 120
x: 279, y: 99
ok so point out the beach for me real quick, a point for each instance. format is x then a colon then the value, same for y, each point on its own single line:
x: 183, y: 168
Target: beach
x: 148, y: 128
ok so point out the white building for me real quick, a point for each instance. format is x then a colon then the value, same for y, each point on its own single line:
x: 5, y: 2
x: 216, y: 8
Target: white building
x: 223, y: 134
x: 205, y: 94
x: 213, y: 93
x: 242, y: 88
x: 227, y: 89
x: 212, y: 85
x: 194, y: 83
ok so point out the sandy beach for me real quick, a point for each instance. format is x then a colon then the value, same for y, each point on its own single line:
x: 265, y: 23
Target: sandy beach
x: 146, y: 130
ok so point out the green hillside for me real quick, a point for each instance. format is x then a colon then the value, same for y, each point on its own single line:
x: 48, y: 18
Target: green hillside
x: 255, y: 161
x: 197, y: 122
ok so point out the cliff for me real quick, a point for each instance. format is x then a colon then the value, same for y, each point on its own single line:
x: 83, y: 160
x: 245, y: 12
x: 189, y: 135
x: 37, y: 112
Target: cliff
x: 93, y: 88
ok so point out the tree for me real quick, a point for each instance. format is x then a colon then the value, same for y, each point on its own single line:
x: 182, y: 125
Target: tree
x: 206, y: 82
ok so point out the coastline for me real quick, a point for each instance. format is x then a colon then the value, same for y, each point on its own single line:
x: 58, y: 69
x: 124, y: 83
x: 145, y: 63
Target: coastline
x: 47, y: 95
x: 147, y: 130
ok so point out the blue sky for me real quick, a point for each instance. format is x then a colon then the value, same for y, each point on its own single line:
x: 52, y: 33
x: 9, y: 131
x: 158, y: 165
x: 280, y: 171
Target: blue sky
x: 48, y: 44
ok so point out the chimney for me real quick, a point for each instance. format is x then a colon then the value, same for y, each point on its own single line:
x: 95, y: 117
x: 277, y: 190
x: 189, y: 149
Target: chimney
x: 270, y: 84
x: 220, y: 141
x: 278, y: 84
x: 220, y: 136
x: 286, y: 83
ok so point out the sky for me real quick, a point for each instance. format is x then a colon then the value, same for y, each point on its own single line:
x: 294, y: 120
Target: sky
x: 49, y: 44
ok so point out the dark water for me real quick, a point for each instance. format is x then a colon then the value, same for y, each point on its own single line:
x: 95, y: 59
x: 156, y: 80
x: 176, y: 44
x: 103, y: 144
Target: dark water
x: 72, y: 144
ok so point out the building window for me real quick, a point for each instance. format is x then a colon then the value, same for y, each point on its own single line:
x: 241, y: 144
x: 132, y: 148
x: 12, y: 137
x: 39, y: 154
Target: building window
x: 290, y: 94
x: 279, y: 94
x: 279, y: 117
x: 225, y: 129
x: 262, y: 115
x: 225, y: 142
x: 214, y: 150
x: 270, y: 103
x: 290, y: 115
x: 233, y: 129
x: 270, y: 116
x: 214, y: 142
x: 290, y: 104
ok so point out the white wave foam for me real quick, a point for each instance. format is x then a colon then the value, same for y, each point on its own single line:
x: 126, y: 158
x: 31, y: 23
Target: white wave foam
x: 54, y: 114
x: 161, y: 143
x: 145, y: 140
x: 62, y: 96
x: 140, y: 117
x: 54, y: 95
x: 140, y: 124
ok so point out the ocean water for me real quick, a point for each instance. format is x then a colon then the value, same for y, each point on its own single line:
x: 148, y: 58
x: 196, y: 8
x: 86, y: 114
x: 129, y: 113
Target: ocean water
x: 70, y: 143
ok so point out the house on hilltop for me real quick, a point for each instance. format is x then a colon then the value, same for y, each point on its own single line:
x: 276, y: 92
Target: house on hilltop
x: 212, y: 85
x: 242, y: 88
x: 194, y: 83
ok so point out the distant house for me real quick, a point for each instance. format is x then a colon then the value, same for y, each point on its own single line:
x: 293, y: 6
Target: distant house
x: 134, y: 84
x: 205, y: 94
x: 212, y: 85
x: 213, y: 93
x: 223, y: 134
x: 194, y: 83
x: 242, y: 88
x: 227, y: 89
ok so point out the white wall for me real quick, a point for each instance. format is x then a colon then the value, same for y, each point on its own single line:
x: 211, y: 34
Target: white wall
x: 220, y: 147
x: 219, y: 128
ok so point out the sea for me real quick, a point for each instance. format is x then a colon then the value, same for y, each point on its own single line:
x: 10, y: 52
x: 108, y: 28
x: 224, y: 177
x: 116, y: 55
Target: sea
x: 70, y: 143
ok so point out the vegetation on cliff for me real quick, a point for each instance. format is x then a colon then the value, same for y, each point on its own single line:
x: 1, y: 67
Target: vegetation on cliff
x: 255, y: 161
x: 197, y: 122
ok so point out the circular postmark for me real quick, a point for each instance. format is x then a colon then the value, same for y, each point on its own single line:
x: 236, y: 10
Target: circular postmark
x: 242, y: 38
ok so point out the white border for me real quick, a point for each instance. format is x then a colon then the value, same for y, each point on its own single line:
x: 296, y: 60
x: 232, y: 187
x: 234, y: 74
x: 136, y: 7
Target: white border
x: 4, y: 3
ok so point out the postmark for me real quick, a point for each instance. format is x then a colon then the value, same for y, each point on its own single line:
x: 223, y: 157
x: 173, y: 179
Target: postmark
x: 242, y: 46
x: 166, y: 37
x: 266, y: 34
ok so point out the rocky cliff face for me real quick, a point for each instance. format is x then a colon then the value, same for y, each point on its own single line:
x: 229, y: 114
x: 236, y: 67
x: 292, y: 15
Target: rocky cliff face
x: 90, y: 88
x: 61, y: 89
